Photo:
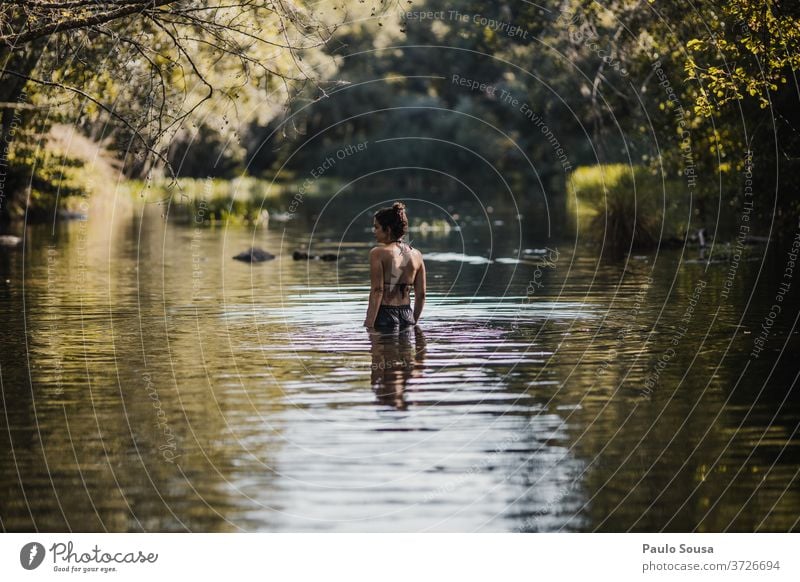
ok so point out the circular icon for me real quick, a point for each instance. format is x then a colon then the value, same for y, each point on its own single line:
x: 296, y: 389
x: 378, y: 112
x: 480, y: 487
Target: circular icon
x: 31, y: 555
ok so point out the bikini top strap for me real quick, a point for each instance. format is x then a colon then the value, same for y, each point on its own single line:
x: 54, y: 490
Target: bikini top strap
x: 399, y: 240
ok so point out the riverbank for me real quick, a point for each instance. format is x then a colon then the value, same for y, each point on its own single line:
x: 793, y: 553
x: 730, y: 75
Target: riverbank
x: 242, y: 200
x: 54, y: 176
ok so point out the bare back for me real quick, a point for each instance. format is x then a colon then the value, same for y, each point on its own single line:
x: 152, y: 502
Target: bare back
x: 401, y: 267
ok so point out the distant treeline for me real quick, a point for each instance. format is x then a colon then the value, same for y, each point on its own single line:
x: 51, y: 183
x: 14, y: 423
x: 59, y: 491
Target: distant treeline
x: 484, y: 97
x: 703, y: 96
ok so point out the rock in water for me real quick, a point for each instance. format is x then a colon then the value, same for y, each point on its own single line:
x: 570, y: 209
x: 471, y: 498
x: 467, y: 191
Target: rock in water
x: 303, y: 256
x: 254, y: 255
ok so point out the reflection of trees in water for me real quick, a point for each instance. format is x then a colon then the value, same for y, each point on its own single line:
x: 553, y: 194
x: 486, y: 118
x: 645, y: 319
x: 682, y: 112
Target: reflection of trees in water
x: 395, y: 360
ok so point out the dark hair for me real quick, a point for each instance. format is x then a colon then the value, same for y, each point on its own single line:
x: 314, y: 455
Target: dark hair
x: 394, y: 218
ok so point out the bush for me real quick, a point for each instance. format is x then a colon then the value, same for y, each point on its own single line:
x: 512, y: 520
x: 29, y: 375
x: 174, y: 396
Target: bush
x: 40, y: 182
x: 625, y: 206
x: 195, y: 201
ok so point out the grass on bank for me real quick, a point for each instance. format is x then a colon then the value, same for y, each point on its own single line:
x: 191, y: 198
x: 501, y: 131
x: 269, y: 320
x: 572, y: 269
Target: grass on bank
x: 622, y: 206
x: 213, y: 200
x: 57, y: 172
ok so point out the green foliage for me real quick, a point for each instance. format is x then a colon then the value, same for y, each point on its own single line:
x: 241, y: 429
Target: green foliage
x: 48, y: 177
x: 671, y: 89
x: 626, y: 206
x: 145, y: 76
x: 750, y: 49
x: 705, y: 85
x: 405, y: 99
x: 210, y: 201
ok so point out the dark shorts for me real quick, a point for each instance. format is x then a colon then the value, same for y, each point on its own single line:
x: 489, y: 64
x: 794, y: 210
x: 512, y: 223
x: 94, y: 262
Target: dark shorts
x: 390, y: 316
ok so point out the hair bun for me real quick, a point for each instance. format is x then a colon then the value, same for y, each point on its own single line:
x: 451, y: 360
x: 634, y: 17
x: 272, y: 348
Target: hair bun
x: 394, y: 218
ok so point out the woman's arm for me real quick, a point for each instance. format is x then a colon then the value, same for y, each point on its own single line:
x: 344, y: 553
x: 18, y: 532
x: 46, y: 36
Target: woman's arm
x: 420, y: 285
x: 376, y: 286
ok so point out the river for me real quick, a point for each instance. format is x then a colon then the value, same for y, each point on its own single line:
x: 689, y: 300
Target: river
x: 152, y: 383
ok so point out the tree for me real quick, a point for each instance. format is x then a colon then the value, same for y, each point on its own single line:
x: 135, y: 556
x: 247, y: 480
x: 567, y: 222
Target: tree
x: 137, y: 71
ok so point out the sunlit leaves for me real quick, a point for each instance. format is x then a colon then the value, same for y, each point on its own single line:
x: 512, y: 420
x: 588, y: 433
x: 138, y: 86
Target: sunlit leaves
x: 749, y: 57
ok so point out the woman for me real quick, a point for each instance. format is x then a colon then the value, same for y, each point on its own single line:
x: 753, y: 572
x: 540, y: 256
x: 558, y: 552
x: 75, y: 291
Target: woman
x: 394, y: 268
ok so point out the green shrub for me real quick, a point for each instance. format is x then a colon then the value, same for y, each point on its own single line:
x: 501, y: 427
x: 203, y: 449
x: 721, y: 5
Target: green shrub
x: 207, y: 201
x: 625, y: 206
x: 41, y: 182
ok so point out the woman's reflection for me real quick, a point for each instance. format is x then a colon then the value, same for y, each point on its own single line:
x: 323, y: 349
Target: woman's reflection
x: 395, y: 360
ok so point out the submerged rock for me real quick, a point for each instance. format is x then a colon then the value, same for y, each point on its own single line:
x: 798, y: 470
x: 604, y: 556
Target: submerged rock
x: 71, y: 215
x: 303, y: 256
x: 254, y: 255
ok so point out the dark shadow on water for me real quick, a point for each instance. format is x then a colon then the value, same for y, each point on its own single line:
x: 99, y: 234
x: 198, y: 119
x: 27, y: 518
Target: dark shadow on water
x: 397, y: 357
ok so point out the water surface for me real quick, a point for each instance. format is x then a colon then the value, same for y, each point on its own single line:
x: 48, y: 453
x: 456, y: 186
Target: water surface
x: 151, y: 383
